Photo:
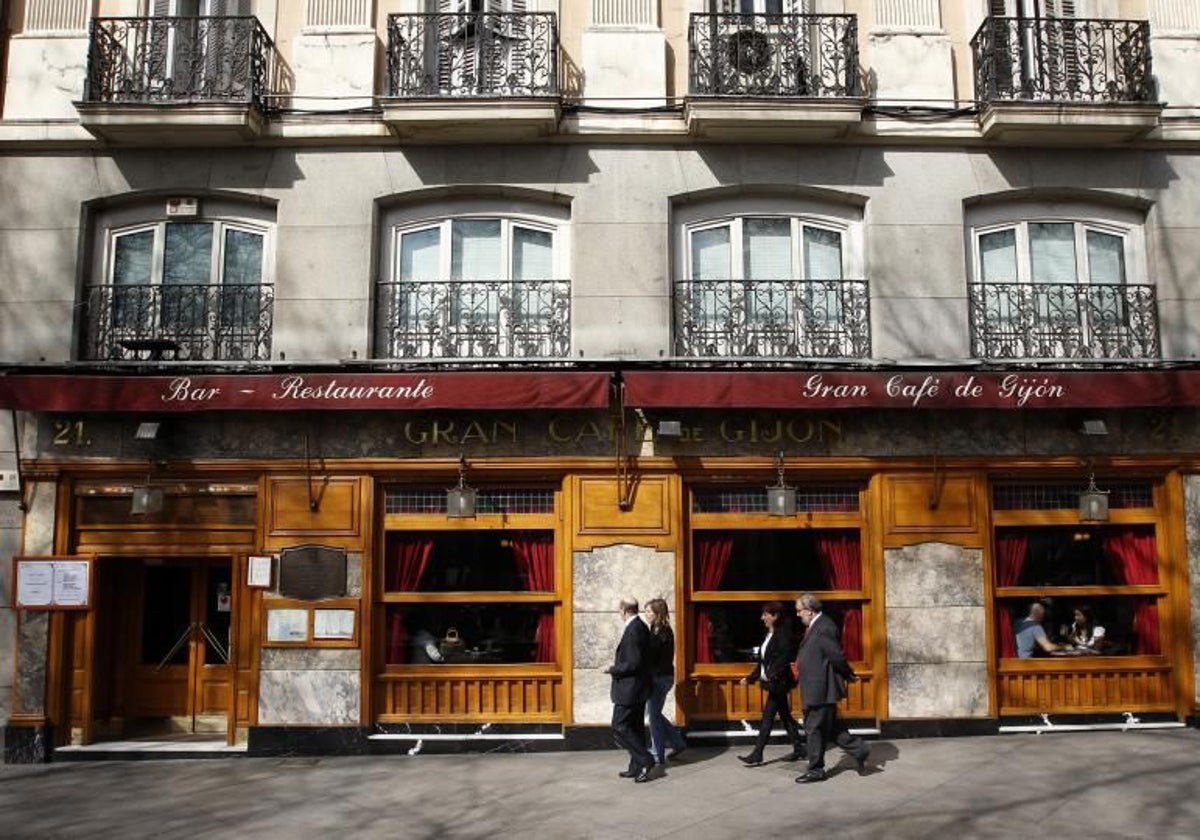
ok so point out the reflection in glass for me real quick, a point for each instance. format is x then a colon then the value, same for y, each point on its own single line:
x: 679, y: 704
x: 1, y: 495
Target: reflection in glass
x: 469, y: 634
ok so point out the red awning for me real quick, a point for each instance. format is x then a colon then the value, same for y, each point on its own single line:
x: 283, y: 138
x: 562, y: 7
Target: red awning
x: 911, y: 389
x: 299, y: 391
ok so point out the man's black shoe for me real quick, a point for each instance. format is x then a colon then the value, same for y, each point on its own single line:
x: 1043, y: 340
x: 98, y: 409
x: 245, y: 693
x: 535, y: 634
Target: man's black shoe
x: 644, y: 775
x: 751, y: 760
x: 860, y: 761
x: 811, y: 776
x: 629, y: 774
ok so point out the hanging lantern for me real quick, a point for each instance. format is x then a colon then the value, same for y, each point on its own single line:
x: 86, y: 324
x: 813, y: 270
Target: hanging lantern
x: 781, y: 499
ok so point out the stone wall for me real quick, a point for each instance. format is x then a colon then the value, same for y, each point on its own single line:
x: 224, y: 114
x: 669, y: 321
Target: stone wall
x: 936, y: 632
x: 1191, y: 506
x: 600, y: 578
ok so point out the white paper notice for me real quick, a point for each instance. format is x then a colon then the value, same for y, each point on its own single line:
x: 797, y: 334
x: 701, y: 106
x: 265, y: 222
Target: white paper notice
x: 35, y: 583
x: 70, y: 583
x: 333, y: 624
x: 259, y: 572
x: 287, y: 625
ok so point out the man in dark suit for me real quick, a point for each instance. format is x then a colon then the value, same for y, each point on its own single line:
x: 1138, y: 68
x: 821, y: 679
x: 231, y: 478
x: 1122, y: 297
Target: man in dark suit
x: 824, y: 673
x: 631, y: 681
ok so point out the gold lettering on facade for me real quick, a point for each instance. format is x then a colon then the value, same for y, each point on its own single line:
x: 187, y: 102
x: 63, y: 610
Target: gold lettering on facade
x: 510, y: 428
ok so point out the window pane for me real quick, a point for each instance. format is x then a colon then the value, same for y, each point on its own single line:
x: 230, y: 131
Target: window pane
x: 769, y: 561
x: 243, y: 257
x: 1052, y: 253
x: 486, y: 634
x: 475, y: 250
x: 188, y: 253
x: 767, y: 249
x: 1106, y: 257
x: 1108, y: 625
x: 822, y: 254
x: 533, y: 254
x: 998, y: 256
x: 133, y: 259
x: 710, y: 254
x: 476, y: 561
x: 1100, y: 556
x: 732, y: 631
x: 419, y: 255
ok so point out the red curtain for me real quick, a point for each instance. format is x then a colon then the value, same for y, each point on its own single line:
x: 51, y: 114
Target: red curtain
x: 852, y: 632
x: 1145, y: 627
x: 713, y: 553
x: 1011, y: 550
x: 534, y: 555
x: 404, y: 566
x: 840, y: 560
x: 1132, y: 556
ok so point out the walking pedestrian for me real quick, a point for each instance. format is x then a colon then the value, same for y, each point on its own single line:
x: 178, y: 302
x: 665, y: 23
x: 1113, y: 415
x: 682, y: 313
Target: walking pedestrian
x: 630, y: 673
x: 824, y: 672
x: 662, y: 671
x: 773, y: 671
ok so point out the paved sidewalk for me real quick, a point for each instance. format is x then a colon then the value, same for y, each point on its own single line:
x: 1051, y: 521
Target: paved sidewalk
x: 1094, y: 785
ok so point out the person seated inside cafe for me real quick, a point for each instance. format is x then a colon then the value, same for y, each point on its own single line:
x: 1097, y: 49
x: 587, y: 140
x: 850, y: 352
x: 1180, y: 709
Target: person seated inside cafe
x: 425, y: 649
x: 1084, y: 634
x: 1031, y: 635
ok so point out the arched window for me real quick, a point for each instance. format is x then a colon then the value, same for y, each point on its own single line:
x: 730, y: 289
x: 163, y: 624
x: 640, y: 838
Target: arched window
x: 186, y: 285
x: 479, y: 280
x: 772, y: 279
x: 1055, y: 281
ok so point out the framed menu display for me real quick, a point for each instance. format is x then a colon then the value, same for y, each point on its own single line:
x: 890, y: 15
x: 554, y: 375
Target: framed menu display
x: 287, y: 626
x: 52, y: 583
x: 333, y: 624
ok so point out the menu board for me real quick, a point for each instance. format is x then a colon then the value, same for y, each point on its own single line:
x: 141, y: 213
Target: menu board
x: 333, y: 624
x: 52, y: 583
x: 288, y: 625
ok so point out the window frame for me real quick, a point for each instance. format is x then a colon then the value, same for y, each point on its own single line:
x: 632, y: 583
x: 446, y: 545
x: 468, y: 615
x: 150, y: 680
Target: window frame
x: 1134, y: 265
x: 220, y: 225
x: 445, y: 227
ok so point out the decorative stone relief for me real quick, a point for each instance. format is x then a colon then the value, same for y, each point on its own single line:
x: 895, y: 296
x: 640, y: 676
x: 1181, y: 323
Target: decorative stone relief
x: 600, y: 579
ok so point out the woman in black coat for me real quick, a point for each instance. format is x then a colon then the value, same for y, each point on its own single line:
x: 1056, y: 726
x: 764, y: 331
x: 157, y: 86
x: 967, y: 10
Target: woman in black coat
x: 773, y: 671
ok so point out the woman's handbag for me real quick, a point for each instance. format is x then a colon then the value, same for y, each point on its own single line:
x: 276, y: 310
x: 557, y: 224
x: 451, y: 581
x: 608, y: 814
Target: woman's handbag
x: 451, y: 643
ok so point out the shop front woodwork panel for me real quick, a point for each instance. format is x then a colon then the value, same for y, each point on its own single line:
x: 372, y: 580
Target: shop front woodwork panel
x: 406, y: 698
x: 724, y: 698
x: 931, y: 504
x: 1132, y: 689
x: 600, y: 510
x: 337, y: 518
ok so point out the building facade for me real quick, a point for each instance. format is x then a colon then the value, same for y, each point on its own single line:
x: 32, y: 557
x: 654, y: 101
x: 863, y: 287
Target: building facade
x: 362, y: 355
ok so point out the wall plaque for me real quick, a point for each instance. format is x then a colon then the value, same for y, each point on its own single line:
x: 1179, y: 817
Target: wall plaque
x: 312, y: 572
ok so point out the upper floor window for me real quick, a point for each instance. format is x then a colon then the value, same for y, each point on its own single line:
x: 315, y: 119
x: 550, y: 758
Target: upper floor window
x: 1052, y: 286
x: 771, y: 284
x: 475, y: 284
x: 194, y: 288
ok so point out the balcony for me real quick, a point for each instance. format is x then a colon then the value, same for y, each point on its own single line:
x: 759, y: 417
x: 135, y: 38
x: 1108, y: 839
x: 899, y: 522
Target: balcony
x: 773, y: 77
x: 472, y: 75
x: 782, y: 319
x: 207, y: 323
x: 177, y: 80
x: 474, y: 319
x: 1063, y: 321
x: 1063, y: 80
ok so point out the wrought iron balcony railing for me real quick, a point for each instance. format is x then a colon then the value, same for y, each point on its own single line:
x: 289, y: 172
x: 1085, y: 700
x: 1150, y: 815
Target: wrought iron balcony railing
x: 1063, y: 321
x: 172, y: 60
x: 774, y: 55
x: 1063, y: 60
x: 473, y: 319
x: 210, y: 322
x: 473, y: 54
x: 786, y: 319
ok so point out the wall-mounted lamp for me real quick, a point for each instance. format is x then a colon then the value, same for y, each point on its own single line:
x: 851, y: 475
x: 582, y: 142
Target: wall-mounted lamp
x: 670, y: 429
x: 460, y: 500
x: 1093, y: 502
x: 146, y: 431
x: 781, y: 499
x: 146, y: 499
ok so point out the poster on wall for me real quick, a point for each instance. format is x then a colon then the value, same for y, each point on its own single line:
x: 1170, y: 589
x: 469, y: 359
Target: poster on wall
x: 287, y: 625
x: 333, y: 624
x: 258, y: 571
x: 52, y: 583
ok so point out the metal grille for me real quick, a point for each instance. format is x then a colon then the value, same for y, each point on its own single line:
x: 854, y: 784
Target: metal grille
x: 205, y: 322
x: 773, y: 318
x: 514, y: 319
x: 774, y: 55
x: 472, y: 54
x: 180, y: 59
x: 1066, y: 496
x: 1063, y: 60
x: 833, y: 498
x: 431, y: 500
x: 1063, y: 321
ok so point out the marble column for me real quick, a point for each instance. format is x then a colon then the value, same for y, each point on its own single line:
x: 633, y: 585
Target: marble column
x: 600, y: 578
x: 936, y: 632
x: 1191, y: 504
x: 33, y: 628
